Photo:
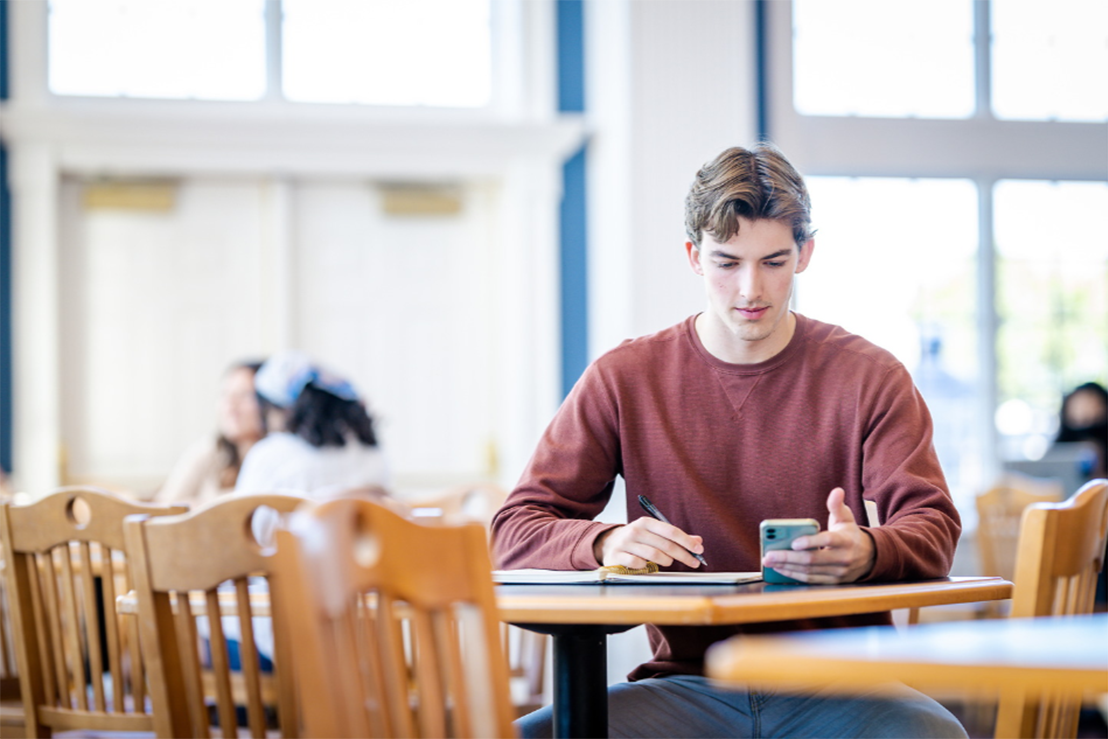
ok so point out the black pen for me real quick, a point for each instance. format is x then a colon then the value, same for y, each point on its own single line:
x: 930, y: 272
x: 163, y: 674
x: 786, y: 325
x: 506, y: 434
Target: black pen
x: 655, y: 513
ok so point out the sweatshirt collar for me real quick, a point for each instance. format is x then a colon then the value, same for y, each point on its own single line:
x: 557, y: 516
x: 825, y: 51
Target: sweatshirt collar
x: 748, y: 369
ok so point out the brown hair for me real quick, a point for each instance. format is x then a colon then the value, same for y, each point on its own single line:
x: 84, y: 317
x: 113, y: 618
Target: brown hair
x: 740, y: 183
x: 229, y: 460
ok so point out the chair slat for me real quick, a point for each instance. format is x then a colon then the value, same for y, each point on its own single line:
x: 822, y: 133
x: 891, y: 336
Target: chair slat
x: 190, y: 666
x: 221, y: 671
x: 251, y: 673
x: 430, y: 672
x: 372, y: 665
x: 449, y: 637
x: 51, y: 584
x: 136, y: 661
x: 34, y: 577
x: 288, y: 715
x: 396, y: 693
x: 71, y: 626
x: 111, y: 629
x: 87, y: 580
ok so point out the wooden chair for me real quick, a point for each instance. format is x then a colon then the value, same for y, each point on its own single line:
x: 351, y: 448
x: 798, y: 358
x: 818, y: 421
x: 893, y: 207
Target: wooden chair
x: 64, y: 563
x: 200, y: 564
x: 1061, y: 551
x: 527, y: 651
x: 394, y: 623
x: 999, y: 510
x: 11, y: 703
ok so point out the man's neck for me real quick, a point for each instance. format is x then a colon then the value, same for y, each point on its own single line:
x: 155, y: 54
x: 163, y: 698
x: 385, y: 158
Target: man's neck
x: 727, y: 347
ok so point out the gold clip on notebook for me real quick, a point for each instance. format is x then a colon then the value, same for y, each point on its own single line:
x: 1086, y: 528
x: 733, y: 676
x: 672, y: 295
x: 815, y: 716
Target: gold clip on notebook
x: 618, y: 574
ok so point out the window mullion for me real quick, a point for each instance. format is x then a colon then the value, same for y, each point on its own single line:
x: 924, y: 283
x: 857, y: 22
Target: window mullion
x: 274, y: 52
x: 987, y: 328
x: 983, y: 61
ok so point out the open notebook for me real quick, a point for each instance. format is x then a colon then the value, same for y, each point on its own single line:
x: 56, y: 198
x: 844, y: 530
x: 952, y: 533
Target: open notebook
x: 621, y: 575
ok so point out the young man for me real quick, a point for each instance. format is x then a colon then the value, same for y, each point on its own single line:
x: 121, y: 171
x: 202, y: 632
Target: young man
x: 744, y: 412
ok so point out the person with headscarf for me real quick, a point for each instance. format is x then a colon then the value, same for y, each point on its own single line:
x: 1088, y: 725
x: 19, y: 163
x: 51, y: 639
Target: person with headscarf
x: 321, y: 437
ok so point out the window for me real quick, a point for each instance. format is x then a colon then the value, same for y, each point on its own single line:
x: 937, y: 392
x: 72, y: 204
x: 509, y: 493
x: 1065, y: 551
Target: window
x: 1050, y: 61
x: 877, y: 45
x: 418, y: 52
x: 412, y: 53
x: 204, y: 49
x: 968, y: 246
x: 1052, y: 289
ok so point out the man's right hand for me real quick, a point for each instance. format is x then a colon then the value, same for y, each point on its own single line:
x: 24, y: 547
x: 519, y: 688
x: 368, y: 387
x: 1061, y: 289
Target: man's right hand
x: 647, y: 540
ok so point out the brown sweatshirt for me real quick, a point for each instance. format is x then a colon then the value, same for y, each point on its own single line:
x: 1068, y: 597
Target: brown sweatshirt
x: 719, y: 447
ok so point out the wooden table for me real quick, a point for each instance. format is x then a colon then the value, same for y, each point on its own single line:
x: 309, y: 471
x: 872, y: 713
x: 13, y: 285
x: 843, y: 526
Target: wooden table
x: 1061, y: 655
x: 581, y: 616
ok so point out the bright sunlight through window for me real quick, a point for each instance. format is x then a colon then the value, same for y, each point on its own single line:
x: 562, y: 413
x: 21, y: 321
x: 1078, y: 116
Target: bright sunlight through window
x: 1052, y: 273
x: 416, y: 52
x: 202, y: 49
x: 1050, y: 60
x: 885, y: 59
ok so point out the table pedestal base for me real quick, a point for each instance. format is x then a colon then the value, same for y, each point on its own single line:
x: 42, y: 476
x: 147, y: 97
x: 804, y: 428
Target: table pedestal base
x: 580, y: 677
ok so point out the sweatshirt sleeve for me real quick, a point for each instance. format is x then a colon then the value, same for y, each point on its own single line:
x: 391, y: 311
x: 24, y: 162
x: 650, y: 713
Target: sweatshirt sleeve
x: 919, y: 525
x: 547, y: 519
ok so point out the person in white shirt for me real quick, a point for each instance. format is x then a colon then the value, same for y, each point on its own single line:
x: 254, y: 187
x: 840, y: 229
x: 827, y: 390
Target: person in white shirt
x: 322, y: 438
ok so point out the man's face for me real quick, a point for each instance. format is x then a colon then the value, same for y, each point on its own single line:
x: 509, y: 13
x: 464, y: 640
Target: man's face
x: 749, y: 281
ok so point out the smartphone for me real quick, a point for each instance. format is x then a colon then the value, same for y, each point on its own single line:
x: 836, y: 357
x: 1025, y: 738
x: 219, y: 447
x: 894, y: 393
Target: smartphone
x: 779, y: 533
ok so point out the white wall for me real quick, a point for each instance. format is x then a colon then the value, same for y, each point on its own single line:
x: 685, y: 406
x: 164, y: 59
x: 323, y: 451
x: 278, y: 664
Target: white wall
x: 671, y: 84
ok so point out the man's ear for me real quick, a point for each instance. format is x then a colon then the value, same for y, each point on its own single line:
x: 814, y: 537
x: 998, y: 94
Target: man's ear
x: 805, y: 255
x: 694, y: 257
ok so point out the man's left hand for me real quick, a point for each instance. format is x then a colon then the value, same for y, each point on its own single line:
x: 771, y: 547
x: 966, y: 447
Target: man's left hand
x: 843, y: 553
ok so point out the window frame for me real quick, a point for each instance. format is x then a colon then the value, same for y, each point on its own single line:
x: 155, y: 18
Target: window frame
x: 521, y: 53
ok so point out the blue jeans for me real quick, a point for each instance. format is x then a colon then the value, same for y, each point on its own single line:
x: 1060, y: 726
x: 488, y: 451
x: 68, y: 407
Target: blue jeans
x: 691, y: 706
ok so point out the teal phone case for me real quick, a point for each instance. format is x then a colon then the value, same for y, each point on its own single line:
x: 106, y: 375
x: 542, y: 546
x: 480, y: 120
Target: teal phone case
x: 779, y: 533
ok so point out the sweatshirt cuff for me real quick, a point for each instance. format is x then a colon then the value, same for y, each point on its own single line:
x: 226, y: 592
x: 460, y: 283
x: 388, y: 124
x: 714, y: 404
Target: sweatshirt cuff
x: 886, y: 564
x: 582, y: 557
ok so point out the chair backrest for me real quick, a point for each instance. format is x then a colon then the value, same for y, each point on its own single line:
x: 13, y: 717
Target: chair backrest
x: 78, y: 661
x: 195, y: 565
x: 998, y: 511
x: 1061, y: 552
x: 527, y: 651
x: 395, y: 628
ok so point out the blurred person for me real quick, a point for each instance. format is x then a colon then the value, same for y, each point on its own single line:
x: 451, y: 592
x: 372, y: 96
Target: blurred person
x: 210, y: 468
x: 321, y: 436
x: 1084, y: 417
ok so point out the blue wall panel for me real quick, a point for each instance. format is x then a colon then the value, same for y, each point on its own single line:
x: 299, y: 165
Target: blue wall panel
x: 574, y: 242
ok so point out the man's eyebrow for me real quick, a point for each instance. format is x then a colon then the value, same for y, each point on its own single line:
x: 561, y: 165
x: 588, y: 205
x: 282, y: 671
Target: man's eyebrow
x: 718, y: 254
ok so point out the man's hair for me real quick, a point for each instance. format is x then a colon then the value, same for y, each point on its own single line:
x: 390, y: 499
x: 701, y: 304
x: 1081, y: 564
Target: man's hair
x: 756, y: 184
